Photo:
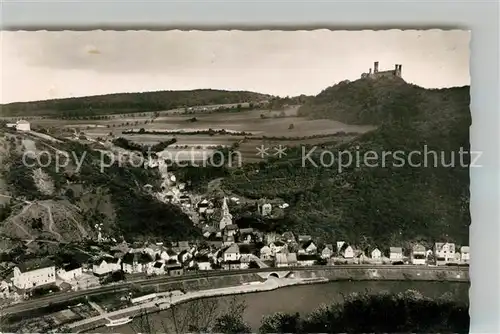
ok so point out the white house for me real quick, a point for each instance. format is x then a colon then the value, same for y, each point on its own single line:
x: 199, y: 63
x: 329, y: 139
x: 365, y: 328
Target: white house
x: 308, y: 247
x: 158, y: 268
x: 203, y: 262
x: 444, y: 252
x: 395, y: 254
x: 376, y: 254
x: 70, y: 272
x: 464, y: 254
x: 33, y: 274
x: 266, y: 253
x: 418, y: 255
x: 106, y: 265
x: 137, y: 262
x: 347, y: 251
x: 21, y: 125
x: 327, y: 252
x: 285, y: 260
x: 232, y: 253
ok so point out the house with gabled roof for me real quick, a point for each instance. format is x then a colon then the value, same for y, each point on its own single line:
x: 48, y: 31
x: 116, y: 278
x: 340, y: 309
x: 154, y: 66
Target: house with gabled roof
x: 396, y: 254
x: 203, y: 262
x: 444, y: 252
x: 70, y: 271
x: 285, y: 260
x: 308, y: 247
x: 327, y: 251
x: 138, y: 262
x: 158, y: 268
x: 376, y: 254
x: 346, y: 251
x: 231, y: 253
x: 266, y: 253
x: 106, y: 265
x: 418, y: 255
x: 34, y: 273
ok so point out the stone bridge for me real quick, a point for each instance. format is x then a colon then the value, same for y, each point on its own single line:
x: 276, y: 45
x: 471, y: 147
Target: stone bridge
x: 276, y: 274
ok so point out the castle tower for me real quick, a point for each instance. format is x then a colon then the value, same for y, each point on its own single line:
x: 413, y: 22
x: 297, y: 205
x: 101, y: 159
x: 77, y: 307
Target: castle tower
x: 375, y: 67
x: 227, y: 218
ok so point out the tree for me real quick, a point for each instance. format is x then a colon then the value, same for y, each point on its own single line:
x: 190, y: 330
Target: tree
x: 281, y: 323
x: 142, y: 130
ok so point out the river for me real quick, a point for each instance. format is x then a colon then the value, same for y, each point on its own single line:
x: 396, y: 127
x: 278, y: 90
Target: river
x: 302, y: 299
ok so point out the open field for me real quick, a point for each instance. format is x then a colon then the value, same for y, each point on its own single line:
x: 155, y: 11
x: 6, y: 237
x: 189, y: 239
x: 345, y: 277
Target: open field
x: 285, y: 128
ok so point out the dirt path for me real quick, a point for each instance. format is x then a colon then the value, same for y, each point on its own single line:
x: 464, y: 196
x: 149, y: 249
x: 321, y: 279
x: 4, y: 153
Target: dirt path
x: 51, y: 223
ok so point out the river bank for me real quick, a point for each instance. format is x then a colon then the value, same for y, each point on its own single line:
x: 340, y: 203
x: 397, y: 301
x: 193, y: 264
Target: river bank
x: 293, y: 277
x: 164, y: 301
x: 115, y: 298
x: 301, y: 299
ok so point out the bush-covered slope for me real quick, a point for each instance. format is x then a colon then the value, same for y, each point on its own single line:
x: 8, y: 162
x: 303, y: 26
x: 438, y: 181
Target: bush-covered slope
x: 128, y: 102
x: 364, y: 101
x: 379, y: 205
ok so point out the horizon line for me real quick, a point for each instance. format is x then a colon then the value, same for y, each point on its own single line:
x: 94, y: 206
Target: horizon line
x: 199, y: 89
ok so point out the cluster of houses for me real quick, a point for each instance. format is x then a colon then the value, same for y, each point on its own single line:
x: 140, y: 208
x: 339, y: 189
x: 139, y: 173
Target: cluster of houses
x: 226, y: 247
x: 279, y: 250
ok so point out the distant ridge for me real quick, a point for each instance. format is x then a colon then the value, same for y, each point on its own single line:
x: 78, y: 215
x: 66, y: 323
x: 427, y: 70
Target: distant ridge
x: 129, y: 102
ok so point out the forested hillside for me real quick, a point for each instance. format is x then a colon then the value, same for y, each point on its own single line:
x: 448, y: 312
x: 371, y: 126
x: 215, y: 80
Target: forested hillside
x: 381, y: 205
x: 128, y: 102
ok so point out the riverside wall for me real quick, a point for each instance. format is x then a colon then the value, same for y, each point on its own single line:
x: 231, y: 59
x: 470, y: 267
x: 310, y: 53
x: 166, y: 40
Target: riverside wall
x: 389, y: 274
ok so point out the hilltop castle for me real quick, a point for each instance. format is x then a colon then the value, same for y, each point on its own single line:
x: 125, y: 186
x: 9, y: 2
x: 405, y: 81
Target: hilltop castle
x: 396, y: 72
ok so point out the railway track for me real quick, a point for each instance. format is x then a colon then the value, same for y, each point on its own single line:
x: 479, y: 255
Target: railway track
x: 62, y: 297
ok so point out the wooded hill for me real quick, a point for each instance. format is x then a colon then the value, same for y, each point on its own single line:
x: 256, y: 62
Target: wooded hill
x: 128, y: 102
x: 377, y: 206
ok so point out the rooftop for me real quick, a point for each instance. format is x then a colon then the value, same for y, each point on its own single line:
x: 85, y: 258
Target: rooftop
x: 35, y: 265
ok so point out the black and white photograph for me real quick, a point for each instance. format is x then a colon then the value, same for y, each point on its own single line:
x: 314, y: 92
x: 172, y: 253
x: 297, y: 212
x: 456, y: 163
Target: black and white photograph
x: 229, y: 181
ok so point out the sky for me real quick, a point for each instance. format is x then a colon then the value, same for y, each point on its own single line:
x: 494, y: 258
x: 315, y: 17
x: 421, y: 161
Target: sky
x: 42, y: 65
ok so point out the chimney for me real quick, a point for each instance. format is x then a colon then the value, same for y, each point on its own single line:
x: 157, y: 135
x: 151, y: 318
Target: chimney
x: 370, y: 71
x: 400, y: 69
x: 375, y: 67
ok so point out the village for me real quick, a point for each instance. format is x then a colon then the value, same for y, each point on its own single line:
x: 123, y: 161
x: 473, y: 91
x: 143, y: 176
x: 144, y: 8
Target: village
x: 225, y: 248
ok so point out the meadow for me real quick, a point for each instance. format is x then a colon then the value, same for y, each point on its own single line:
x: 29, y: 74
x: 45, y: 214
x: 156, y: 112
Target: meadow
x: 262, y: 127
